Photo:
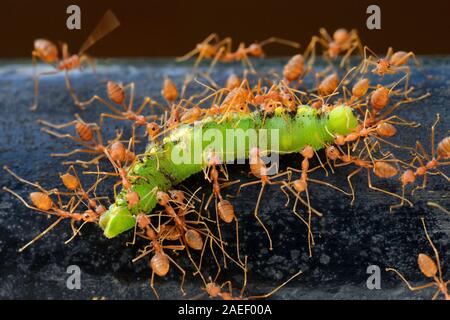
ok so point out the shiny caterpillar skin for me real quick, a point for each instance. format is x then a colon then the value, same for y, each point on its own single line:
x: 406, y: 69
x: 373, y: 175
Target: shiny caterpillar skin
x: 156, y: 170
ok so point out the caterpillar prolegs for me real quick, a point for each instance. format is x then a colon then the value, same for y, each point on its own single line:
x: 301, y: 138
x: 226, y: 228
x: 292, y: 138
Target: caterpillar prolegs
x: 160, y: 168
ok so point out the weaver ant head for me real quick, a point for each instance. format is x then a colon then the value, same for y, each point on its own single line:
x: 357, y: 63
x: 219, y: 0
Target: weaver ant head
x: 45, y: 50
x: 334, y: 50
x: 255, y: 50
x: 341, y: 36
x: 177, y: 196
x: 162, y: 198
x: 142, y: 221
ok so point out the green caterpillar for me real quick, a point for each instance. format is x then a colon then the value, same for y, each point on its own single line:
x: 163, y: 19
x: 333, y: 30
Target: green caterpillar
x: 157, y: 170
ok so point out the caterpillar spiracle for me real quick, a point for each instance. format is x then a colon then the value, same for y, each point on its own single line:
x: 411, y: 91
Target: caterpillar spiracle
x: 156, y: 169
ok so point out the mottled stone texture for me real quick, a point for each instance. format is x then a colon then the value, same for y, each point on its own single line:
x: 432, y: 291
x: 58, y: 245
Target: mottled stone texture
x: 348, y: 238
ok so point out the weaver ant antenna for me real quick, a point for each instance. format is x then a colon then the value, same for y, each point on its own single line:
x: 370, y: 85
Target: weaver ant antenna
x: 430, y: 269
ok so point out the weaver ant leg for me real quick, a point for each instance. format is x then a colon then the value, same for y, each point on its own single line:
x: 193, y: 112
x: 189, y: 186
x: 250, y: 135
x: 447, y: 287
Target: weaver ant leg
x: 152, y: 285
x: 36, y: 84
x: 36, y: 185
x: 311, y: 49
x: 224, y: 47
x: 347, y: 55
x: 247, y: 63
x: 408, y: 100
x: 190, y: 54
x: 57, y: 126
x: 436, y: 205
x: 111, y: 116
x: 294, y: 210
x: 85, y: 164
x: 367, y: 61
x: 385, y: 191
x: 410, y: 287
x: 72, y: 91
x: 92, y: 64
x: 40, y: 235
x: 220, y: 232
x: 219, y: 268
x: 147, y: 101
x: 62, y: 135
x: 75, y: 231
x: 201, y: 257
x: 264, y: 181
x: 131, y: 86
x: 101, y: 100
x: 70, y: 153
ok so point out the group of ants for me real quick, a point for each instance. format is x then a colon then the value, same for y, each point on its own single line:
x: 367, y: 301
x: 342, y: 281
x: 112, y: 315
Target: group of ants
x: 178, y: 225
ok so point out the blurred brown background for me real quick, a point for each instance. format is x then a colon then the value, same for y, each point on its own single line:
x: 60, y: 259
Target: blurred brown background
x: 173, y: 27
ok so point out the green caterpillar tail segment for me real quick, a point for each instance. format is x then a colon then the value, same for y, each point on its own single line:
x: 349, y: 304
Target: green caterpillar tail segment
x: 157, y: 169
